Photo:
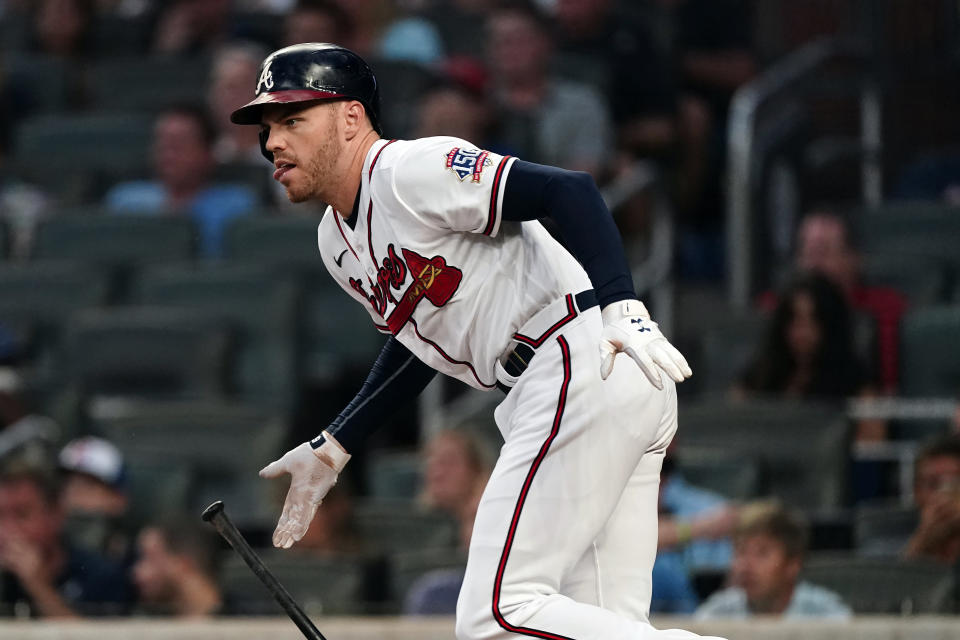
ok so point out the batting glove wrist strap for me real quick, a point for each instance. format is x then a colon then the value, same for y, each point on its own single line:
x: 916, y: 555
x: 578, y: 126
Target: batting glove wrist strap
x: 629, y: 329
x: 332, y: 453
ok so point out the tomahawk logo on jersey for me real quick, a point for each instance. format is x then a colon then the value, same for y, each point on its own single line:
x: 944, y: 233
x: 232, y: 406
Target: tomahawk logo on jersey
x: 453, y: 299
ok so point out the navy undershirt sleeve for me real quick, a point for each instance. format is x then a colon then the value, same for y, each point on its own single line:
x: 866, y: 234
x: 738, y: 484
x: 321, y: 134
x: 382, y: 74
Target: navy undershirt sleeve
x: 571, y: 199
x: 395, y: 378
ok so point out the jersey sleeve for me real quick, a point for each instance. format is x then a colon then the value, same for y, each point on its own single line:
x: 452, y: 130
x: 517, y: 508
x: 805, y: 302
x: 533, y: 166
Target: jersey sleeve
x: 451, y: 184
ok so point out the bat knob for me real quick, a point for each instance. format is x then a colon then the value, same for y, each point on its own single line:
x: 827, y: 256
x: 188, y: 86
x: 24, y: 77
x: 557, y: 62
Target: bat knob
x: 210, y: 512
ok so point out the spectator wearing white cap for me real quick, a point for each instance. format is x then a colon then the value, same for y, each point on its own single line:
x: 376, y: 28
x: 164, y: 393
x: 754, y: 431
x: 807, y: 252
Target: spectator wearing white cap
x: 95, y: 498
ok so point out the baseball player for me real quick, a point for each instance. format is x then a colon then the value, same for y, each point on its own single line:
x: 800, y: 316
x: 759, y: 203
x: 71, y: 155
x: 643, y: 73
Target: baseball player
x: 440, y: 242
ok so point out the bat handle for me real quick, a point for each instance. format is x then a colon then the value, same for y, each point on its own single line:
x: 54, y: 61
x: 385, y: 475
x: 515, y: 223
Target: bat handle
x: 215, y: 515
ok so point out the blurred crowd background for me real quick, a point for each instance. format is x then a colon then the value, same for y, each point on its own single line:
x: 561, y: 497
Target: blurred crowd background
x: 786, y: 178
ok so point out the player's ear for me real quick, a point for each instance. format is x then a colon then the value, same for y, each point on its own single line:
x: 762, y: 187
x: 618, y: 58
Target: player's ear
x: 355, y: 117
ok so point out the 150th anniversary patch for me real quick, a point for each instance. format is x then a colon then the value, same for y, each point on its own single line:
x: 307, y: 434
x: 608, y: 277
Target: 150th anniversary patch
x: 466, y: 163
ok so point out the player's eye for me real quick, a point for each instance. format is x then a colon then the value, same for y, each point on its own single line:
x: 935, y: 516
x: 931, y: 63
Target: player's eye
x: 291, y: 121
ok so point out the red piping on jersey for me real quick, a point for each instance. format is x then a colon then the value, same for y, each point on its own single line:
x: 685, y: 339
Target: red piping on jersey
x: 501, y: 568
x: 492, y: 216
x: 448, y: 358
x: 536, y: 342
x: 373, y: 163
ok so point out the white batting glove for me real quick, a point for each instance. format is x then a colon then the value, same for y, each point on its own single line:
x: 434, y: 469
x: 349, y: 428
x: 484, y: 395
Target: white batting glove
x: 627, y: 327
x: 313, y: 472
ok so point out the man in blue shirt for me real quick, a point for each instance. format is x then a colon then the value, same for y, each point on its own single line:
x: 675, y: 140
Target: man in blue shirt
x: 183, y: 163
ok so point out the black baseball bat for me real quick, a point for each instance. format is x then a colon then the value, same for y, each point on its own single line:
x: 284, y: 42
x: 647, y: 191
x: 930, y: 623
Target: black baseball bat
x: 215, y: 515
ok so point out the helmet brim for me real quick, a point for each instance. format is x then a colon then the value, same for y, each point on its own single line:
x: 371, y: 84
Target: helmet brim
x: 250, y: 113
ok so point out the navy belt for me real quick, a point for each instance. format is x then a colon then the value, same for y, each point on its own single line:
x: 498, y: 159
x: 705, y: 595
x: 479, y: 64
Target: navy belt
x: 519, y: 359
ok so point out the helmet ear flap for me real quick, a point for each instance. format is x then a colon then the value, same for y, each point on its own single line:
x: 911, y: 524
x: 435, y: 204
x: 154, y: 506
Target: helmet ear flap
x: 264, y: 134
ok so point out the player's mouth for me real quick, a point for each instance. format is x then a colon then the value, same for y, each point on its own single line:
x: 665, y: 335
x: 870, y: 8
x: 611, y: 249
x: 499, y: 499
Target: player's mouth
x: 282, y: 169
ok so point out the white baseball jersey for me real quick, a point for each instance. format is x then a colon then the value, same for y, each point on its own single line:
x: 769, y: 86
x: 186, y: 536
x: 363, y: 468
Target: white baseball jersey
x: 565, y: 534
x: 453, y: 299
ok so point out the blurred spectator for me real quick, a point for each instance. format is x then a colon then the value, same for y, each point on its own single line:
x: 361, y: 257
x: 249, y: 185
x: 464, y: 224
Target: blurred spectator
x: 95, y: 498
x: 545, y: 119
x: 824, y: 245
x: 936, y: 493
x: 333, y: 531
x: 176, y: 571
x: 318, y: 21
x: 41, y: 575
x: 456, y: 22
x: 23, y: 433
x: 713, y: 51
x: 600, y: 46
x: 457, y: 466
x: 457, y: 105
x: 62, y: 27
x: 183, y: 162
x: 807, y: 351
x: 191, y: 26
x: 693, y: 535
x: 369, y: 19
x: 769, y: 548
x: 413, y: 39
x: 280, y: 7
x: 234, y: 69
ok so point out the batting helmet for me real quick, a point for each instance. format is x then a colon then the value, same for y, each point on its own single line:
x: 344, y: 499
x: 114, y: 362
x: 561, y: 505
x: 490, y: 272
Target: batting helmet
x: 312, y: 71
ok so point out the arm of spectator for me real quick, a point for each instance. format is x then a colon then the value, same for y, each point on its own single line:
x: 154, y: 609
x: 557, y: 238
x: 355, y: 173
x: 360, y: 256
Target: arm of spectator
x: 938, y: 529
x: 714, y: 525
x: 25, y: 561
x: 870, y: 429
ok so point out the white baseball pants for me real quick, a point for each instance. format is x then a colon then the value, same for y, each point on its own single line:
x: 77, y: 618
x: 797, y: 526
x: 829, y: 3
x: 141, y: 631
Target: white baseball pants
x: 566, y: 531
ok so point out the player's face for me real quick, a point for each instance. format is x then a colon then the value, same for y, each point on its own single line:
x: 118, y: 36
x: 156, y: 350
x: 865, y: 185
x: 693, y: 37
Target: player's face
x: 305, y: 142
x: 762, y: 568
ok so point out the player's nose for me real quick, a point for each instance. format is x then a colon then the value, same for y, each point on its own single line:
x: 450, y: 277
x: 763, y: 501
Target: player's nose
x: 274, y: 141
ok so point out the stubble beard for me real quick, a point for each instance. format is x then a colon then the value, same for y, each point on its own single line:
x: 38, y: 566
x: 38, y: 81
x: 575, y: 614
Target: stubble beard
x: 318, y: 173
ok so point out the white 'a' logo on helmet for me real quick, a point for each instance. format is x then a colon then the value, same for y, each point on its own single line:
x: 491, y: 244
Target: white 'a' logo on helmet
x: 266, y: 78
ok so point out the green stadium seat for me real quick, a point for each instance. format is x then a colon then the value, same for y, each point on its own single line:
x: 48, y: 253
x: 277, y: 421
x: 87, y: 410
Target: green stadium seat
x: 69, y: 154
x: 802, y: 447
x: 38, y: 298
x: 930, y: 352
x: 726, y: 346
x: 883, y: 585
x: 393, y: 526
x: 222, y: 445
x: 327, y: 313
x: 882, y: 530
x: 145, y: 83
x: 730, y: 475
x: 116, y: 240
x: 44, y: 79
x: 923, y: 229
x: 394, y: 475
x: 148, y: 352
x: 922, y: 279
x: 259, y: 305
x: 321, y: 586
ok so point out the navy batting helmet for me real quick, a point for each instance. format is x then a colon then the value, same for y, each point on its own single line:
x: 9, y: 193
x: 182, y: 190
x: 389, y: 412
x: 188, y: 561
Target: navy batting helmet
x: 312, y: 71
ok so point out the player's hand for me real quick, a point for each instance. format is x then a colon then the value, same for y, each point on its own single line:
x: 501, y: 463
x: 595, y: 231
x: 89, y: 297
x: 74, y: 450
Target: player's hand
x: 313, y: 472
x: 627, y: 327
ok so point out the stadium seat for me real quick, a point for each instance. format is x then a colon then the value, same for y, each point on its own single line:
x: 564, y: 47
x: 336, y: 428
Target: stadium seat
x: 924, y: 229
x: 731, y: 475
x: 43, y: 80
x: 260, y: 307
x: 322, y: 586
x: 884, y: 586
x: 929, y: 348
x: 145, y: 84
x: 222, y: 445
x: 147, y: 352
x: 394, y: 475
x: 727, y: 344
x: 327, y: 314
x: 922, y: 279
x: 5, y: 240
x: 38, y: 298
x: 69, y: 154
x: 882, y: 530
x: 802, y: 448
x: 393, y: 526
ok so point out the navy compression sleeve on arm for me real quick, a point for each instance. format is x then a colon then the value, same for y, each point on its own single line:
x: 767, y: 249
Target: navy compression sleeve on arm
x: 573, y: 202
x: 395, y: 378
